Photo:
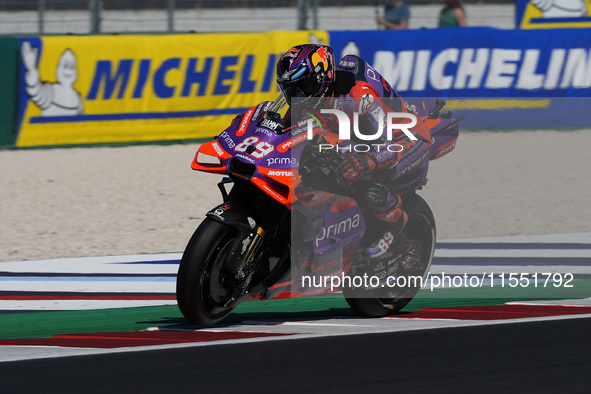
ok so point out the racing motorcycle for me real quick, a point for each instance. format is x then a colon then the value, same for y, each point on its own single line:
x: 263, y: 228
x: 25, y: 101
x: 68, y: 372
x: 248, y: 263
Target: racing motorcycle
x: 273, y: 236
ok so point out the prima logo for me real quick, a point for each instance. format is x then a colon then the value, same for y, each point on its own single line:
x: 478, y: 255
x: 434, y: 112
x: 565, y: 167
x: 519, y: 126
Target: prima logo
x: 281, y: 160
x: 227, y: 139
x: 345, y: 125
x: 262, y: 130
x: 339, y: 228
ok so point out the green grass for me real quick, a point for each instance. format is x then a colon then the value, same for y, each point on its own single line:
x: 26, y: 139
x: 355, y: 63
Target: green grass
x: 46, y: 324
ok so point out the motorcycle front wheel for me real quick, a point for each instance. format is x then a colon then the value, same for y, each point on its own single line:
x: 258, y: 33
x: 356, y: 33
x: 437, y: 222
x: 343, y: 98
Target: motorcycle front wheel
x: 202, y: 288
x: 418, y: 248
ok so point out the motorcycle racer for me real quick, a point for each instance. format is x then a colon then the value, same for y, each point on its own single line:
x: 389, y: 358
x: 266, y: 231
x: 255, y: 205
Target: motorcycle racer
x: 297, y: 215
x: 308, y: 72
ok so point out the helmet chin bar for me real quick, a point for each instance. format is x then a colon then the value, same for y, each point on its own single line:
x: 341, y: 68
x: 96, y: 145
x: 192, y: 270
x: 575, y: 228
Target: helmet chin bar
x: 293, y: 92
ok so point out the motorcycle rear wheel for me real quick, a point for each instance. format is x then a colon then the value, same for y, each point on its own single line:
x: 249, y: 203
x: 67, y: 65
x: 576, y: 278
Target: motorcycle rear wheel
x: 420, y: 236
x: 200, y: 289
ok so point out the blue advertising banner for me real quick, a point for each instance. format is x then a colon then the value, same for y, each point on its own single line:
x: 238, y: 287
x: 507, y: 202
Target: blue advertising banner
x: 523, y: 113
x: 476, y: 61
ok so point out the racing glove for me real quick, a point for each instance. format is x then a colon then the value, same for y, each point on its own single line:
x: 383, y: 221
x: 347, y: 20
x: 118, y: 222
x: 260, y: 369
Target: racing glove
x: 320, y: 169
x: 355, y: 166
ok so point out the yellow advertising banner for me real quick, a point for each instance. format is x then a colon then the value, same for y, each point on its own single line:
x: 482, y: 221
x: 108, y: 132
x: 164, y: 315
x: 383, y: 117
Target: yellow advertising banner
x: 104, y: 89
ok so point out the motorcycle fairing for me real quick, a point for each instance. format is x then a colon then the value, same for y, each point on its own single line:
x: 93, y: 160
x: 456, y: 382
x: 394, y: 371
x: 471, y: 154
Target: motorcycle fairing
x: 234, y: 213
x: 326, y: 231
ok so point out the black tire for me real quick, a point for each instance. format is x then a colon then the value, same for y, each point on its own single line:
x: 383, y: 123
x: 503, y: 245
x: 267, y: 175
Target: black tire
x: 200, y: 291
x: 420, y: 235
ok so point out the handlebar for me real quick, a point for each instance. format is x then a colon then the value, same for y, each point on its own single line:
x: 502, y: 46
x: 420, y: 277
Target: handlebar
x: 434, y: 113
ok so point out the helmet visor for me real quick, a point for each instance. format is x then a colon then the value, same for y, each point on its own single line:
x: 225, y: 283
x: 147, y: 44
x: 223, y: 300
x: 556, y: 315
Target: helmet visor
x: 304, y: 87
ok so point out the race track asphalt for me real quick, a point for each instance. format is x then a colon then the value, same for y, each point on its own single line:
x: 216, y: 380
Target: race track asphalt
x: 535, y: 357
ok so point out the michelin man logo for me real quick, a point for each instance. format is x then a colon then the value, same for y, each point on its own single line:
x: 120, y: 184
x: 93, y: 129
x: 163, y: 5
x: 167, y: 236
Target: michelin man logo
x: 54, y: 98
x: 561, y: 8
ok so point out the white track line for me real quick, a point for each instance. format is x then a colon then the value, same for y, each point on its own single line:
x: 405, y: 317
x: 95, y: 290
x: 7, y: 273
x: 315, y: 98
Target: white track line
x: 19, y: 353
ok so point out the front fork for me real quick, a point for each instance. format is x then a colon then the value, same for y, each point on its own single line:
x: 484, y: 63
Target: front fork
x: 253, y: 247
x: 242, y: 210
x: 243, y: 265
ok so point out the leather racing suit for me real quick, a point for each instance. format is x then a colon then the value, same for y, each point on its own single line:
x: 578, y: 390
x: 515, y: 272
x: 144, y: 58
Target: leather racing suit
x: 380, y: 176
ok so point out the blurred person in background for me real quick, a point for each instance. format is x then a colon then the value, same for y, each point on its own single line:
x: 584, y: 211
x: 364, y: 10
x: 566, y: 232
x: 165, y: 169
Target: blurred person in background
x: 452, y: 14
x: 396, y: 15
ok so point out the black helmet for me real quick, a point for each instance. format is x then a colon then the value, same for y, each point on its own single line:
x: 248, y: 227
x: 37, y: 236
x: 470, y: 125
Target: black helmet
x: 306, y: 71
